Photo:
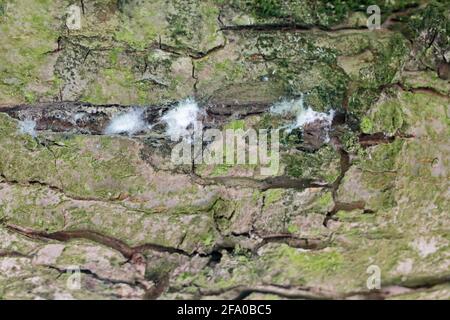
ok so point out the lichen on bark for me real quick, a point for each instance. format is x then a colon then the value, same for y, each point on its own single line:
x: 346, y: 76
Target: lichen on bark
x: 368, y: 188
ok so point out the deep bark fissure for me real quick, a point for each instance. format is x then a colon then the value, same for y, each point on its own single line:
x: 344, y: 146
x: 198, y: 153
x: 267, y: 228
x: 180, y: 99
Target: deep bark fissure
x: 96, y: 276
x: 118, y: 245
x: 278, y: 182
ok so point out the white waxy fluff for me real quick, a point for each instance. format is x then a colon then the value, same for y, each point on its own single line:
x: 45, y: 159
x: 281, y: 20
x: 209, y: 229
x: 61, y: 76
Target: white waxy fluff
x: 180, y: 118
x: 309, y: 115
x: 130, y: 122
x: 303, y: 115
x: 28, y: 126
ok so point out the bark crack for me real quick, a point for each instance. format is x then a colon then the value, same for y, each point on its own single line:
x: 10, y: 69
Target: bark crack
x: 64, y: 236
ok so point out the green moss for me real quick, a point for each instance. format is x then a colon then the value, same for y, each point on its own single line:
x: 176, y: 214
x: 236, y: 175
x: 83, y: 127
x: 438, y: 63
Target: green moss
x: 221, y: 170
x: 91, y: 173
x: 348, y: 216
x: 30, y: 97
x: 330, y: 91
x: 229, y: 69
x: 283, y: 264
x: 2, y: 8
x: 140, y: 26
x: 114, y: 85
x: 21, y: 156
x: 72, y: 255
x: 306, y: 265
x: 323, y: 164
x: 420, y: 109
x: 325, y: 202
x: 383, y: 157
x: 235, y: 125
x: 361, y: 99
x: 79, y: 169
x: 222, y: 212
x: 366, y: 125
x: 208, y: 240
x: 390, y: 54
x: 159, y: 269
x: 388, y: 118
x: 114, y: 55
x: 23, y: 51
x: 427, y: 79
x: 267, y: 8
x: 24, y: 206
x: 350, y: 143
x: 431, y: 18
x: 193, y: 25
x: 8, y: 126
x: 293, y: 228
x: 273, y: 195
x: 323, y: 13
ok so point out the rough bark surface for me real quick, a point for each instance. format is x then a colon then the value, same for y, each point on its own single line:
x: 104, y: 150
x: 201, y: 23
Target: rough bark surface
x: 371, y: 188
